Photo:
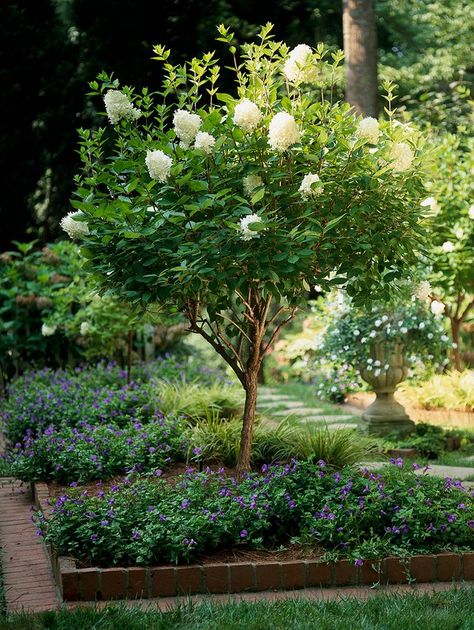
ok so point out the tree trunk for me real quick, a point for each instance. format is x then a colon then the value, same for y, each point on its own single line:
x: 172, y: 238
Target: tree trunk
x: 246, y: 436
x: 360, y: 49
x: 455, y: 329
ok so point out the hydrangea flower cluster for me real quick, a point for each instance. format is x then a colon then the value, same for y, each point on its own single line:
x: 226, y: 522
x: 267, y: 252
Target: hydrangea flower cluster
x: 247, y: 115
x: 158, y: 165
x: 308, y: 189
x: 401, y: 157
x: 369, y: 129
x: 73, y: 227
x: 283, y: 132
x: 251, y: 183
x: 245, y: 222
x: 186, y: 126
x: 300, y: 66
x: 118, y: 107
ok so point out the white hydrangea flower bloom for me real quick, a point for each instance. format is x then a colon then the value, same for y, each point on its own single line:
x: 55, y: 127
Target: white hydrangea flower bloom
x: 459, y: 233
x: 118, y: 106
x: 245, y: 222
x: 47, y: 331
x: 300, y: 67
x: 437, y: 308
x: 158, y: 165
x: 404, y: 330
x: 186, y: 125
x: 401, y: 157
x: 356, y: 333
x: 372, y: 334
x: 251, y: 183
x: 423, y: 290
x: 85, y: 328
x: 369, y: 128
x: 447, y: 247
x: 471, y: 212
x: 431, y: 203
x: 307, y: 189
x: 283, y: 132
x: 247, y: 115
x: 73, y: 227
x: 204, y: 142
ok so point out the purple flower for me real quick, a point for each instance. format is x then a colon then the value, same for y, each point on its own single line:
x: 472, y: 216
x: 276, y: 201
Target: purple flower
x: 244, y: 533
x: 136, y: 534
x: 197, y: 451
x: 185, y: 504
x: 104, y: 523
x: 470, y: 524
x: 94, y: 537
x: 359, y: 562
x: 452, y: 518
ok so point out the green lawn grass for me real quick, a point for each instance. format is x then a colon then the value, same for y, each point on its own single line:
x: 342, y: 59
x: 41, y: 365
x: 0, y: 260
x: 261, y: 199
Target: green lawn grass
x: 449, y: 610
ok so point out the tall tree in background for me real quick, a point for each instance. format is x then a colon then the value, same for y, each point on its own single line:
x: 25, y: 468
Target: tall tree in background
x: 360, y: 48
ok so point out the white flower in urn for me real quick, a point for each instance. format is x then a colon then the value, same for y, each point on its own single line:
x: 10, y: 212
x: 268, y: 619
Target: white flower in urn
x: 85, y: 328
x: 437, y: 308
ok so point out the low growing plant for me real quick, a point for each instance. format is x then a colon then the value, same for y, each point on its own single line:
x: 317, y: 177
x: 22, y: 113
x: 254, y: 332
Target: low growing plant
x: 453, y: 390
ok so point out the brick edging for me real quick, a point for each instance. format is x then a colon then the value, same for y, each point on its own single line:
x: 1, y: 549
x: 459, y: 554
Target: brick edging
x: 236, y: 577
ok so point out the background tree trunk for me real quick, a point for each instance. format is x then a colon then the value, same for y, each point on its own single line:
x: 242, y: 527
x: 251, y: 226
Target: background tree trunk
x: 246, y: 436
x: 360, y: 49
x: 455, y: 330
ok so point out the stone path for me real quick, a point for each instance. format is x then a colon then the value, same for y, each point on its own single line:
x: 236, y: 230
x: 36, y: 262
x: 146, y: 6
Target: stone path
x: 276, y: 406
x: 27, y: 574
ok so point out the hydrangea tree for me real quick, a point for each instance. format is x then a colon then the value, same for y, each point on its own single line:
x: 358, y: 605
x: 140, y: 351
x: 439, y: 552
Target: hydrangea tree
x: 227, y: 204
x: 450, y: 266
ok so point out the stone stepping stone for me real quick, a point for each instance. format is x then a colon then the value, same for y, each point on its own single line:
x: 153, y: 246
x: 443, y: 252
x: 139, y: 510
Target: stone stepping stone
x: 329, y: 418
x: 300, y: 411
x: 289, y: 404
x: 275, y: 399
x: 340, y: 425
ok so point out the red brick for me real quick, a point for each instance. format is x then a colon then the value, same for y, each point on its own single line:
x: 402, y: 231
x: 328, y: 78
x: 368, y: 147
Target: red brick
x: 423, y: 568
x: 293, y: 574
x: 468, y: 565
x: 370, y: 572
x: 449, y: 567
x: 189, y: 579
x: 241, y: 577
x: 137, y: 583
x: 89, y: 584
x: 345, y: 573
x: 215, y: 578
x: 395, y: 570
x: 70, y: 585
x: 267, y: 575
x: 319, y: 573
x: 113, y: 583
x: 163, y: 582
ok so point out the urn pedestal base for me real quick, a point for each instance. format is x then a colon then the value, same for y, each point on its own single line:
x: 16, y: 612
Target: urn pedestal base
x: 385, y: 415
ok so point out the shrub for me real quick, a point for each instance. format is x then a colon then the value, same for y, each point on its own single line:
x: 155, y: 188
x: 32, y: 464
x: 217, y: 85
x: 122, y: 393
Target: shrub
x: 149, y: 521
x: 91, y: 452
x: 454, y: 390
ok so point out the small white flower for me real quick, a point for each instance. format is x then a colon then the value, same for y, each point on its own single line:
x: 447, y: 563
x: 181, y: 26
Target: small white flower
x: 118, y: 106
x: 300, y: 66
x: 363, y: 340
x: 431, y: 203
x: 430, y: 335
x: 47, y: 331
x: 404, y: 330
x: 447, y: 247
x: 459, y: 233
x: 471, y: 212
x: 369, y: 368
x: 85, y: 328
x: 369, y: 128
x: 377, y: 323
x: 444, y: 338
x: 401, y: 156
x: 386, y: 367
x: 283, y: 132
x: 423, y: 290
x: 158, y: 165
x: 421, y: 325
x: 251, y: 183
x: 245, y: 222
x: 334, y: 388
x: 384, y: 318
x: 247, y: 115
x: 377, y: 363
x: 430, y: 357
x: 372, y: 334
x: 307, y: 189
x: 204, y: 142
x: 356, y: 333
x: 377, y: 372
x: 73, y: 227
x: 454, y: 345
x: 370, y: 361
x: 437, y: 308
x: 186, y: 125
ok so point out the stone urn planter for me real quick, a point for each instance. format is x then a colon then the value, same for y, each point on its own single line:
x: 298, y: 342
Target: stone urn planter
x: 385, y: 415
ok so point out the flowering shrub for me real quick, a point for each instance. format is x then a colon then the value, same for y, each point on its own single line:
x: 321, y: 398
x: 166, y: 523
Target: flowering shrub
x: 334, y: 379
x: 88, y: 452
x: 352, y: 335
x: 222, y: 204
x: 148, y: 521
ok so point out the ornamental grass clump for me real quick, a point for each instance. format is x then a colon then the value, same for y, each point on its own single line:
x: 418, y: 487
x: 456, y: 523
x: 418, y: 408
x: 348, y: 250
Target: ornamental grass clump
x: 343, y: 513
x: 286, y: 190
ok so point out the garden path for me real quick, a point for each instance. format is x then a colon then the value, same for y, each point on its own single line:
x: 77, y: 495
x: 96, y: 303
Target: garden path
x: 276, y: 406
x: 27, y: 574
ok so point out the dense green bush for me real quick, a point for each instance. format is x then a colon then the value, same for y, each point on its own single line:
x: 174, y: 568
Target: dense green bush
x: 454, y: 390
x: 367, y: 515
x: 89, y: 452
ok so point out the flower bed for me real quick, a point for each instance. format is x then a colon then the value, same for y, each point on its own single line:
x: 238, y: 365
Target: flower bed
x: 148, y: 520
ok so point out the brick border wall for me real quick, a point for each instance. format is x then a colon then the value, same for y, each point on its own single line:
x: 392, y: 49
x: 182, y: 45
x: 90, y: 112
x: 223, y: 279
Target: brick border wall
x: 169, y: 581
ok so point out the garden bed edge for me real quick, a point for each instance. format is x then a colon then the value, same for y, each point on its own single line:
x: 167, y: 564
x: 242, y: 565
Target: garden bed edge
x: 89, y: 584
